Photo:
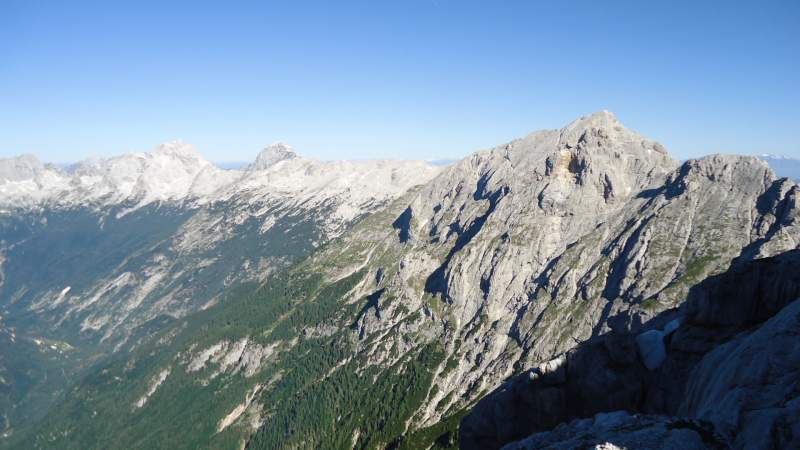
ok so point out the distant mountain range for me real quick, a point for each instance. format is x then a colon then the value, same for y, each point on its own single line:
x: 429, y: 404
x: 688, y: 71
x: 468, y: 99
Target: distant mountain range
x: 784, y: 166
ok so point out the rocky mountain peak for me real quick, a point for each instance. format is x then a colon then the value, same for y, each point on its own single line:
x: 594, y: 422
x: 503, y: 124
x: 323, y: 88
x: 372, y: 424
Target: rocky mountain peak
x: 178, y: 149
x: 598, y: 150
x: 601, y: 131
x: 273, y: 154
x: 601, y: 119
x: 168, y: 158
x: 740, y: 173
x: 18, y: 168
x: 589, y: 167
x: 718, y: 166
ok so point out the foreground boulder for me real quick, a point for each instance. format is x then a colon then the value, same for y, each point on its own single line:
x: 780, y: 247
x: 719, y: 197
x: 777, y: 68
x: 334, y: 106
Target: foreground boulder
x: 616, y: 430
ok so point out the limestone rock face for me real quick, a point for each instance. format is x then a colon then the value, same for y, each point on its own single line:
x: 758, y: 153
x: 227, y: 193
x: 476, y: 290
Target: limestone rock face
x: 734, y: 372
x: 519, y: 253
x: 748, y: 387
x: 273, y: 154
x: 747, y: 294
x: 620, y: 430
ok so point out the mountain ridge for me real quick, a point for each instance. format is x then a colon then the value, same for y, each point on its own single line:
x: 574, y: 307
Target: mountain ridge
x: 177, y: 172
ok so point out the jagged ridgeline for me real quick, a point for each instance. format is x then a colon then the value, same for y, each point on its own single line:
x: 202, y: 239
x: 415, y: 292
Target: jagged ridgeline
x: 388, y: 334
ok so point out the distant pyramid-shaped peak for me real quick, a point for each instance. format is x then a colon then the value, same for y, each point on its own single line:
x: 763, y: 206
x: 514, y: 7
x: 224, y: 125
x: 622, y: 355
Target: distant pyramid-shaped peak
x: 602, y: 120
x: 273, y: 154
x: 602, y: 131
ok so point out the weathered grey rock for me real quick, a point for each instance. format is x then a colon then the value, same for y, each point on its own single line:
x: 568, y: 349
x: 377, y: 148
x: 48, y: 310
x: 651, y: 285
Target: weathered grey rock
x: 746, y: 294
x: 651, y: 345
x: 741, y: 380
x: 519, y: 253
x: 620, y: 430
x: 748, y: 387
x: 604, y: 374
x: 651, y: 348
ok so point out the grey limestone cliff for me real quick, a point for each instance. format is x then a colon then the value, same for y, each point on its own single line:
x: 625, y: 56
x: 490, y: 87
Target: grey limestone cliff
x: 519, y: 253
x: 728, y: 374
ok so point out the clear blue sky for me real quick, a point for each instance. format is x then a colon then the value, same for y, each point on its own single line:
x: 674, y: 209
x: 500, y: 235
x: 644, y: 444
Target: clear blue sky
x: 398, y: 79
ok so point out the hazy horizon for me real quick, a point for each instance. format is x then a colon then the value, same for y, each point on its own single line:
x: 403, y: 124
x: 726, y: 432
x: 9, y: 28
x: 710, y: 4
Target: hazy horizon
x: 444, y: 160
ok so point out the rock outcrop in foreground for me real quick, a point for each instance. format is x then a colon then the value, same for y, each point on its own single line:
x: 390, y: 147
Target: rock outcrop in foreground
x: 727, y: 375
